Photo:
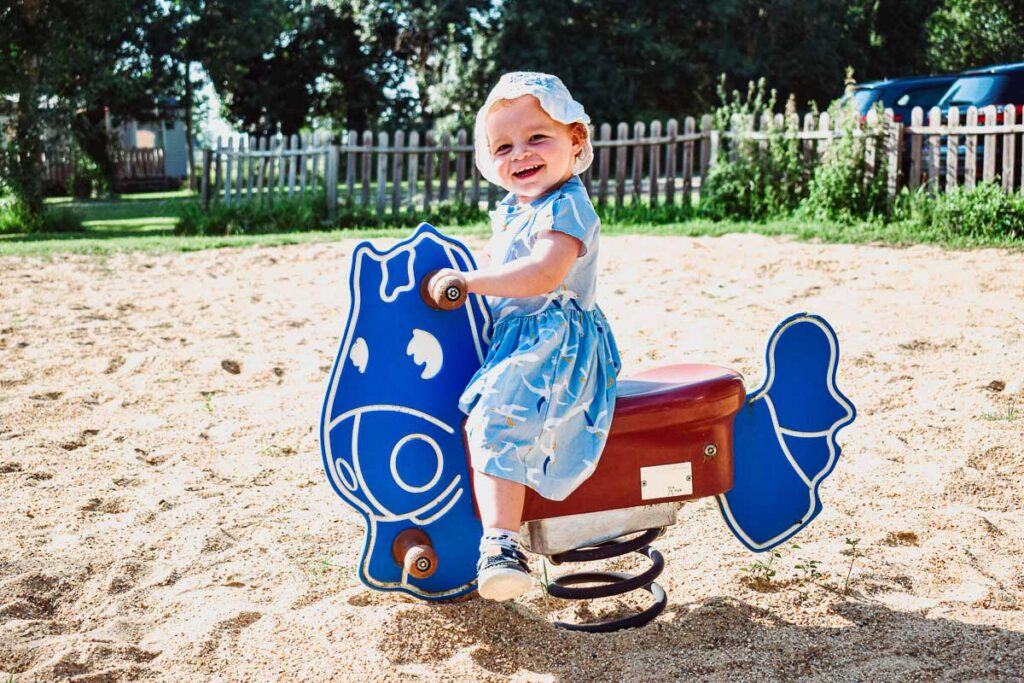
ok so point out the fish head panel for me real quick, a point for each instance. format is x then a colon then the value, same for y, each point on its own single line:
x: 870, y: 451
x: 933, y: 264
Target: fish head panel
x: 397, y: 350
x: 391, y: 435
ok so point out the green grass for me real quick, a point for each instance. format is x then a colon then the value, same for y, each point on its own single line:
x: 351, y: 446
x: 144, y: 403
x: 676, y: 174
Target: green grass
x: 145, y: 222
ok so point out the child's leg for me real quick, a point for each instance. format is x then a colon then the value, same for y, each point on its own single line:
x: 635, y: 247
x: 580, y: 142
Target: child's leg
x: 502, y: 573
x: 500, y: 501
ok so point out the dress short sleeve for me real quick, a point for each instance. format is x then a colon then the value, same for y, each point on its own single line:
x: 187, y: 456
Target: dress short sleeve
x: 574, y: 215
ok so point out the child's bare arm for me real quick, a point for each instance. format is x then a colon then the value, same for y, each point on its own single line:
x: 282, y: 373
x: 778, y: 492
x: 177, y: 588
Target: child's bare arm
x: 544, y: 269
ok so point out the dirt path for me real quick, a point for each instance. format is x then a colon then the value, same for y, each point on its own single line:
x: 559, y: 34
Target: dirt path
x: 165, y: 515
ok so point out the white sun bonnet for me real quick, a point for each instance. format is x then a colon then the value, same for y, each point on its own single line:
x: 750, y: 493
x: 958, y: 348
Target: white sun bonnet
x: 554, y: 99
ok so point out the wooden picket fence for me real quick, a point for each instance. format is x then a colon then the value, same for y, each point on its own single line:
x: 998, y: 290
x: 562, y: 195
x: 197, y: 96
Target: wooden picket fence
x: 246, y: 168
x: 985, y: 147
x: 413, y: 171
x: 135, y: 169
x: 655, y: 163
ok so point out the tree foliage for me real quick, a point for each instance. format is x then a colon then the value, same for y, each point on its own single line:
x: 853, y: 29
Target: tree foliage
x: 278, y: 65
x: 971, y: 33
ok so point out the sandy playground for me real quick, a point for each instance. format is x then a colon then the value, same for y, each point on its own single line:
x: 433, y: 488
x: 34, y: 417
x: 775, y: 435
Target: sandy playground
x: 165, y: 515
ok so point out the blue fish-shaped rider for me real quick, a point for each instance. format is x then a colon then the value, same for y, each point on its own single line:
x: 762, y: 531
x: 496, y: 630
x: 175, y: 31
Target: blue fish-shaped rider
x: 391, y: 431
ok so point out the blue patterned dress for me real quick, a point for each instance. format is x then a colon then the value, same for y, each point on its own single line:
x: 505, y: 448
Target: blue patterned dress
x: 541, y: 405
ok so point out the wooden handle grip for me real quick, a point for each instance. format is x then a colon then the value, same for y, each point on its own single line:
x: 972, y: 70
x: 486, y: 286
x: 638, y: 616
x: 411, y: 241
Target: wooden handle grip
x: 413, y: 550
x: 445, y: 292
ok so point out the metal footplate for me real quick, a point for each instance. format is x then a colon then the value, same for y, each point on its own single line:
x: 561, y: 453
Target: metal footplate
x: 612, y: 583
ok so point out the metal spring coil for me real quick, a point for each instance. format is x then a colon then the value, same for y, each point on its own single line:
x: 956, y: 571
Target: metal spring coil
x: 612, y: 583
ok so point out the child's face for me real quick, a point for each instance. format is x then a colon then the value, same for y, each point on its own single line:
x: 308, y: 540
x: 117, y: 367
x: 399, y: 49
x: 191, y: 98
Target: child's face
x: 531, y: 151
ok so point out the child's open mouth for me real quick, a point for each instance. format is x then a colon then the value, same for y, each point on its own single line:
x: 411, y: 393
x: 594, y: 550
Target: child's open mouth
x: 527, y: 172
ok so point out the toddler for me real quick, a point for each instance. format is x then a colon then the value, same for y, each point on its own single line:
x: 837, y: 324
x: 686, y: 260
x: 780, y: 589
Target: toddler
x: 540, y: 407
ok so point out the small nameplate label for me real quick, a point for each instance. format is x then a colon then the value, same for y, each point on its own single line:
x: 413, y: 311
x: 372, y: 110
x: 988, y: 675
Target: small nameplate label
x: 666, y: 481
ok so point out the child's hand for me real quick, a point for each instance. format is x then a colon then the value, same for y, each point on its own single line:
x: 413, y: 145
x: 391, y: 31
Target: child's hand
x: 444, y: 289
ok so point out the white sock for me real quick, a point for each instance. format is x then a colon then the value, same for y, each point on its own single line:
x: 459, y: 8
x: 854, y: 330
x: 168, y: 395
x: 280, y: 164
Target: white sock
x: 496, y: 536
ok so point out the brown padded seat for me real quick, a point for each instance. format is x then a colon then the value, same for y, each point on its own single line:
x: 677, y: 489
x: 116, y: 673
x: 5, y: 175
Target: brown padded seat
x: 676, y: 394
x: 668, y: 415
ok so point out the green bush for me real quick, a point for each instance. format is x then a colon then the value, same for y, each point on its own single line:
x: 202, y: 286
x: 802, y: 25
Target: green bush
x: 985, y: 211
x: 640, y: 213
x: 297, y: 215
x: 86, y: 179
x: 754, y: 179
x: 253, y: 218
x: 15, y: 219
x: 842, y: 190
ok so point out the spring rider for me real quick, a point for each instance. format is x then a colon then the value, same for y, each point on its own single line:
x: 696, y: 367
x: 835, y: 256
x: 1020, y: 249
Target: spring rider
x: 392, y: 442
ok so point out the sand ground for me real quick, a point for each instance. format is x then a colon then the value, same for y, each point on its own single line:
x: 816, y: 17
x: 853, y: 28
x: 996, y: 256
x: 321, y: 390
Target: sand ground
x: 165, y: 515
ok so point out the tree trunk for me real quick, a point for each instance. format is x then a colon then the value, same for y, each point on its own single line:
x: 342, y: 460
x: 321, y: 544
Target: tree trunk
x: 193, y: 178
x: 28, y: 152
x: 26, y: 157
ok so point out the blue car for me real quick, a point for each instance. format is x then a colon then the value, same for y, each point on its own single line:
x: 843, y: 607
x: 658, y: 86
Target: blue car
x: 900, y: 94
x: 1001, y: 86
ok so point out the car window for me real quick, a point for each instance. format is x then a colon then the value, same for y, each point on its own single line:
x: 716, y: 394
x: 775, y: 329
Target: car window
x: 979, y: 90
x: 863, y: 99
x: 922, y: 97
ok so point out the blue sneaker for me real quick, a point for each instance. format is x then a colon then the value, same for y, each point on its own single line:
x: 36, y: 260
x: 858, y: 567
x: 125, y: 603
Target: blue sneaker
x: 502, y: 573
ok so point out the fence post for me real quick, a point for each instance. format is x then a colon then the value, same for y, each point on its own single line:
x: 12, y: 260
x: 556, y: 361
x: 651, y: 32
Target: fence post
x: 460, y: 168
x: 952, y: 149
x: 240, y: 166
x: 620, y: 164
x: 671, y: 152
x: 1009, y: 149
x: 428, y: 171
x: 302, y: 159
x: 990, y: 145
x: 351, y: 142
x: 382, y: 170
x: 894, y: 156
x: 971, y: 150
x: 315, y: 152
x: 689, y: 128
x: 261, y: 164
x: 293, y: 162
x: 414, y: 143
x: 475, y: 174
x: 250, y: 167
x: 870, y: 145
x: 229, y: 170
x: 638, y: 161
x: 705, y: 147
x: 331, y: 180
x: 603, y: 161
x: 934, y: 148
x: 655, y: 158
x: 282, y: 145
x: 366, y: 167
x: 204, y: 186
x: 916, y: 120
x: 396, y: 167
x: 445, y: 171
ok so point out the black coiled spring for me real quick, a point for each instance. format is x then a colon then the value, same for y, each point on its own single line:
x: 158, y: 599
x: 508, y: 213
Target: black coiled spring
x: 612, y: 583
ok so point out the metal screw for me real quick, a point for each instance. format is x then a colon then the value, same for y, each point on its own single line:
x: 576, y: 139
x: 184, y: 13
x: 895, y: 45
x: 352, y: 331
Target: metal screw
x: 710, y: 450
x: 452, y: 293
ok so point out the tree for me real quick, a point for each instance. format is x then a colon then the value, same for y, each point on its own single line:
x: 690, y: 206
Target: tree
x: 67, y: 63
x: 417, y: 43
x: 971, y: 33
x: 278, y: 63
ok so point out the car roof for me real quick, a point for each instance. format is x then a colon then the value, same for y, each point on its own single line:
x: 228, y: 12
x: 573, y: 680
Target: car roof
x: 912, y: 80
x: 995, y: 69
